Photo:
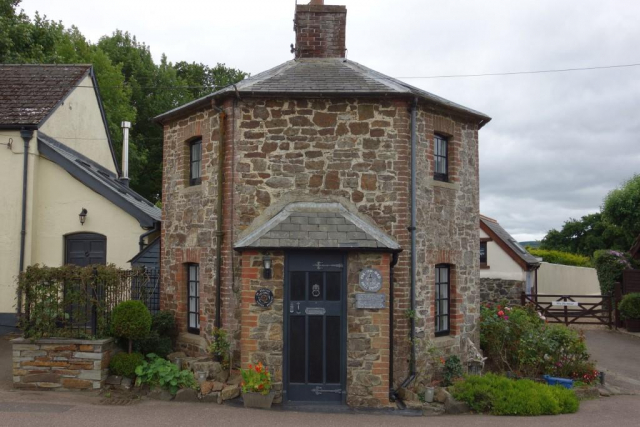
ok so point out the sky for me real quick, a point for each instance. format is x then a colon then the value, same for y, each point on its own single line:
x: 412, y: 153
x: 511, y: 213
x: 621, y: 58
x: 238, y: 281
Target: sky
x: 558, y: 142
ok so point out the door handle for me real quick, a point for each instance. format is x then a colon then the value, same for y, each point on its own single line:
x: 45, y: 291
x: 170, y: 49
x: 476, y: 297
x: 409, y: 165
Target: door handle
x: 291, y: 308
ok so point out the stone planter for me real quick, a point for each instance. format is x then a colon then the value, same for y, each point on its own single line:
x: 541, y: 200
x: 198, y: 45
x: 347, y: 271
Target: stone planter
x: 60, y: 363
x: 633, y: 325
x: 257, y: 400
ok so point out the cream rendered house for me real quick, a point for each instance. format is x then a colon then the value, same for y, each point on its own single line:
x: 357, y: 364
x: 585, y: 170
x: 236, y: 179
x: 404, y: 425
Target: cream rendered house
x: 58, y: 162
x: 506, y: 268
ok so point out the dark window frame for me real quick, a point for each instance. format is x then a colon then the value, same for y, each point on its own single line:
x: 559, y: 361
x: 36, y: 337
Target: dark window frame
x: 194, y: 329
x: 439, y: 156
x: 195, y: 165
x: 483, y: 259
x: 439, y: 330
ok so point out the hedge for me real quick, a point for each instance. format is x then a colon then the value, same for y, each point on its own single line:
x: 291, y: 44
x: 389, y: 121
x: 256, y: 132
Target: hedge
x: 559, y: 257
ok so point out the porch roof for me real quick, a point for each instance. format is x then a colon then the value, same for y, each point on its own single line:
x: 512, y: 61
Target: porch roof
x: 317, y: 225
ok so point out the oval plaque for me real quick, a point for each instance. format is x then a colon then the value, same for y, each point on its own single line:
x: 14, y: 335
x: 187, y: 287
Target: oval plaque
x: 370, y: 280
x: 264, y: 297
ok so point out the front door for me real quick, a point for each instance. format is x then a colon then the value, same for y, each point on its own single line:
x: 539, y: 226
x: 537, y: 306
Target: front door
x: 315, y: 327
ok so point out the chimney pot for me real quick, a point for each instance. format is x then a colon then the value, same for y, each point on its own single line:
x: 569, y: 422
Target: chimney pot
x: 125, y: 153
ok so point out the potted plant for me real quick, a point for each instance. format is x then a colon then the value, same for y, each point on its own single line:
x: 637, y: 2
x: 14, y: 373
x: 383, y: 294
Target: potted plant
x: 256, y: 387
x: 630, y: 311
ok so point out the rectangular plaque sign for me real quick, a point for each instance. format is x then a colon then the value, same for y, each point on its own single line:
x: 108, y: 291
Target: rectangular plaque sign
x: 370, y: 301
x: 565, y: 303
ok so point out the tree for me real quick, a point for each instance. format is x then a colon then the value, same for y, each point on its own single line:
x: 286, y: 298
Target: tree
x: 622, y: 207
x: 132, y: 86
x: 585, y: 236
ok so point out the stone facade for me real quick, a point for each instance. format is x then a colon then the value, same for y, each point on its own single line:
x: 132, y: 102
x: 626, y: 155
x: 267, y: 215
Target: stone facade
x: 61, y: 364
x: 347, y: 150
x: 495, y: 291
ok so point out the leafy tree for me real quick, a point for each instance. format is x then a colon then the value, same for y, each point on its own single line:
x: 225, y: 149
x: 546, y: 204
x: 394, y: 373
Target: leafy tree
x: 622, y: 207
x: 584, y: 236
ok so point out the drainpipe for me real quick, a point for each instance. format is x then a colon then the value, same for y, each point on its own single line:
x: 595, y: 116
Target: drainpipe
x: 394, y: 261
x: 412, y: 230
x: 219, y: 232
x: 156, y: 227
x: 26, y: 135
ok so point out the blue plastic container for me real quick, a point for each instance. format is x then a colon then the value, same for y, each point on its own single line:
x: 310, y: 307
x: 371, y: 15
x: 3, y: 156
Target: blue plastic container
x: 564, y: 382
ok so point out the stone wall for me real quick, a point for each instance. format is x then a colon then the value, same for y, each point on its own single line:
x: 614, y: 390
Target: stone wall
x: 367, y: 336
x: 61, y: 364
x: 352, y: 151
x: 262, y: 336
x: 497, y: 290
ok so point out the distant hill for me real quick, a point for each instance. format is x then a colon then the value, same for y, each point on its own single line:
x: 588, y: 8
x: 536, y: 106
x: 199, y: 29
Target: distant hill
x: 534, y: 244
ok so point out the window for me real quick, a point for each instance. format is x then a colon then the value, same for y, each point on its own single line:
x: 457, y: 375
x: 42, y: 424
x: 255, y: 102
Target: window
x: 195, y: 162
x: 443, y: 290
x: 441, y: 158
x: 483, y: 253
x: 193, y: 298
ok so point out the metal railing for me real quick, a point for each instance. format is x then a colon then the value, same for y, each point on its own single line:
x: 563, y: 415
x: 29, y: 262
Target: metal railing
x: 80, y: 306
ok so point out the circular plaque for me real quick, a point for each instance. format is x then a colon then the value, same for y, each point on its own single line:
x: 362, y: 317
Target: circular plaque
x: 264, y: 297
x: 370, y: 280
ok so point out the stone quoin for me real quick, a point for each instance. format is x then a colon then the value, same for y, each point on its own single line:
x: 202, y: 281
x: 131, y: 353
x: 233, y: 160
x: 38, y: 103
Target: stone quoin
x: 314, y: 187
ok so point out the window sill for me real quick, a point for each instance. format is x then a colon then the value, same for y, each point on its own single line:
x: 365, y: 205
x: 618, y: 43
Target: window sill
x: 191, y: 189
x: 444, y: 341
x: 484, y: 267
x: 443, y: 184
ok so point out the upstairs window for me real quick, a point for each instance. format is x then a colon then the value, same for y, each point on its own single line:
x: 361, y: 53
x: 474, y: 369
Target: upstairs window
x: 441, y: 158
x: 443, y: 292
x: 483, y: 253
x: 195, y: 162
x: 193, y: 298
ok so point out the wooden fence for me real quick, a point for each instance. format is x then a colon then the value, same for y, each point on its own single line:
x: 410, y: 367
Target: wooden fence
x: 573, y: 309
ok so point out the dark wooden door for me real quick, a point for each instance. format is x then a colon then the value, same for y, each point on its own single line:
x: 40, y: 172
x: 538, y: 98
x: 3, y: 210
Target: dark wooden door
x: 85, y: 249
x: 315, y: 325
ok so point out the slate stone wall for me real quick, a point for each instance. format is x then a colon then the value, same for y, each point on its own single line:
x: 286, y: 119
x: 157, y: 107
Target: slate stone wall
x: 61, y: 364
x: 495, y: 291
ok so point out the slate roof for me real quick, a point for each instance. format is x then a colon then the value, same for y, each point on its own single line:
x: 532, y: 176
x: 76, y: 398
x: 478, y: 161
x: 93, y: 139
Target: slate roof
x: 324, y: 77
x: 317, y: 225
x: 30, y: 92
x: 503, y: 235
x: 100, y: 180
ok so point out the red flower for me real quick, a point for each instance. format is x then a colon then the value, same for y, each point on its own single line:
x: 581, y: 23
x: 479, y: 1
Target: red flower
x: 501, y: 313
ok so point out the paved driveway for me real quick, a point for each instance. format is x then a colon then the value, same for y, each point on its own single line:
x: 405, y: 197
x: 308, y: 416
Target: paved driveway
x: 618, y: 355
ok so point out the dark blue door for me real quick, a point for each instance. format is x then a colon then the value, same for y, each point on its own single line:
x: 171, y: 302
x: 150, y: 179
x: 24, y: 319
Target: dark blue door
x: 315, y: 323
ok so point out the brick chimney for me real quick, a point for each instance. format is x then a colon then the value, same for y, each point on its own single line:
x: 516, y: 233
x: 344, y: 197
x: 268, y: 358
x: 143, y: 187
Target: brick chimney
x: 320, y: 30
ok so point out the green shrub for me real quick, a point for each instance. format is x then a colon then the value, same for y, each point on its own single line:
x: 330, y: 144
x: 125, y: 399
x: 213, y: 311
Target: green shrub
x: 154, y: 343
x: 160, y: 372
x: 220, y: 346
x: 609, y: 266
x: 164, y: 323
x: 559, y: 257
x: 499, y: 395
x: 125, y: 364
x: 452, y: 370
x: 518, y: 340
x: 630, y: 307
x: 130, y: 320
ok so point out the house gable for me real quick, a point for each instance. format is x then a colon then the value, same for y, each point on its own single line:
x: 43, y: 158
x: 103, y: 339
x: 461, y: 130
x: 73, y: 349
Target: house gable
x: 79, y: 123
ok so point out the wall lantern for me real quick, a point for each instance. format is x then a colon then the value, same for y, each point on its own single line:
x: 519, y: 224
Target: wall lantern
x: 83, y: 216
x: 266, y: 262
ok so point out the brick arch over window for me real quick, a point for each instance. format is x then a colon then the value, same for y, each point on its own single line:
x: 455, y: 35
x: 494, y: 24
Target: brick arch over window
x: 448, y: 258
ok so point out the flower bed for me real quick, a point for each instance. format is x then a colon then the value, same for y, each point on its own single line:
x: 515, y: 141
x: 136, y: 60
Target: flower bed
x: 519, y: 341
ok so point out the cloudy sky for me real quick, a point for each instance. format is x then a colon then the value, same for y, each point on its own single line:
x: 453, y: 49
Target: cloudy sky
x: 558, y: 142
